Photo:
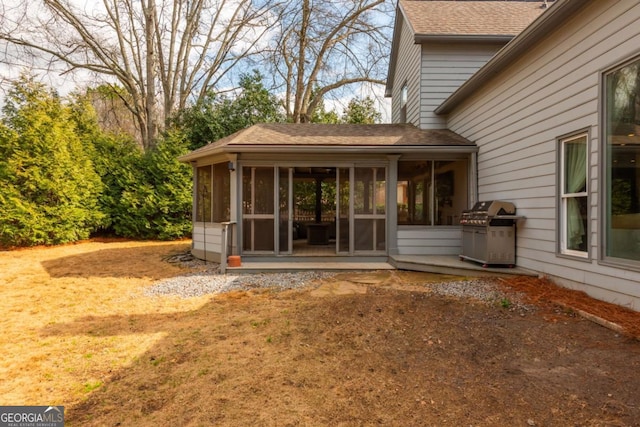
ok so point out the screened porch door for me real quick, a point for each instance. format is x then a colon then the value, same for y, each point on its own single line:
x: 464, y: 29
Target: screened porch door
x: 369, y: 220
x: 268, y: 210
x: 361, y: 207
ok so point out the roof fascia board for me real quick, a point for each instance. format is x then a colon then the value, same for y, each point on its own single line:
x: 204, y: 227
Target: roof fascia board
x: 195, y: 156
x: 539, y: 29
x: 332, y: 149
x: 467, y: 38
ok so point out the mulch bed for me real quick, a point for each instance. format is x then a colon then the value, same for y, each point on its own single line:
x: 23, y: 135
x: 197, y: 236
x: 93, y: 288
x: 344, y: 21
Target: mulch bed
x: 542, y: 291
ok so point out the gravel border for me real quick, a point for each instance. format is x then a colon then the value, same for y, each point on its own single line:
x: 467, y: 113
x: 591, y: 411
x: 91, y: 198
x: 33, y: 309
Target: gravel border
x: 207, y: 280
x: 199, y: 284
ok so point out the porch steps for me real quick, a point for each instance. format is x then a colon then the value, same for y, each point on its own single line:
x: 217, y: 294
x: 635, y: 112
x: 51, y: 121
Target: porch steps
x: 452, y: 264
x: 443, y: 264
x: 292, y: 265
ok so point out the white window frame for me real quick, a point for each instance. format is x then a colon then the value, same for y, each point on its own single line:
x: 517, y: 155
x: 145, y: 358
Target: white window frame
x: 404, y: 98
x: 564, y: 197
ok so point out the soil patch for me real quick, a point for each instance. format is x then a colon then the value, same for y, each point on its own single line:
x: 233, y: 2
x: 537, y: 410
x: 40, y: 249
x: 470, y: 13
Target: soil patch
x: 356, y: 349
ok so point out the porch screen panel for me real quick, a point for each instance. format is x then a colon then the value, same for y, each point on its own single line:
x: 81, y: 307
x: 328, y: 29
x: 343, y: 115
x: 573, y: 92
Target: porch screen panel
x: 451, y: 193
x: 263, y: 235
x: 364, y: 191
x: 203, y: 194
x: 414, y: 181
x: 221, y: 210
x: 343, y: 213
x: 432, y: 192
x: 264, y: 187
x: 284, y: 205
x: 369, y: 201
x: 258, y: 209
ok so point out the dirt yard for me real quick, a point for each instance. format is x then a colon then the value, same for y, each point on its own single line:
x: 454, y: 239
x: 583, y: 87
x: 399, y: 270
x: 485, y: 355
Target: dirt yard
x: 365, y: 349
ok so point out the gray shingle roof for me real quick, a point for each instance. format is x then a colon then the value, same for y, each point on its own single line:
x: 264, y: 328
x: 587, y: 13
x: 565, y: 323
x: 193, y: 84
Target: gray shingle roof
x: 327, y: 135
x: 469, y: 18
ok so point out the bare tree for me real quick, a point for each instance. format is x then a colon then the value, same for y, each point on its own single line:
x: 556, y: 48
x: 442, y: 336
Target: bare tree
x: 162, y: 52
x: 324, y: 46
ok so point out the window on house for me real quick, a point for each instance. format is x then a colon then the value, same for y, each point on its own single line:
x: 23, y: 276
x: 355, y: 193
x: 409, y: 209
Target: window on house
x: 573, y: 195
x: 213, y: 193
x: 622, y: 163
x: 432, y: 192
x: 404, y: 94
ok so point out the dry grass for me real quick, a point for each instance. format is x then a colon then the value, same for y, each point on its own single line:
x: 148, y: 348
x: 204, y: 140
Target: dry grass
x: 78, y: 332
x: 44, y: 287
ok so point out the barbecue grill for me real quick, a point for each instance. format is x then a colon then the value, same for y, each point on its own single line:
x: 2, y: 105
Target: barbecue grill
x: 489, y: 233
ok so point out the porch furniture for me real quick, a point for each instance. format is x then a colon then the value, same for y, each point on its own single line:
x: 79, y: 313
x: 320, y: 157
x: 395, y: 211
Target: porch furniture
x: 318, y: 233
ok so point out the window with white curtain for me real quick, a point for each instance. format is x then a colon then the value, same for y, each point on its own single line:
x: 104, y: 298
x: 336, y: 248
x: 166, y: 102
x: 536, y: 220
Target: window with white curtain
x: 574, y: 206
x: 404, y: 96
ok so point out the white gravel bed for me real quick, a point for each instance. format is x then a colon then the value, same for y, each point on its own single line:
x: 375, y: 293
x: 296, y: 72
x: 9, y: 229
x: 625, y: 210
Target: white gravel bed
x: 205, y: 283
x: 481, y: 289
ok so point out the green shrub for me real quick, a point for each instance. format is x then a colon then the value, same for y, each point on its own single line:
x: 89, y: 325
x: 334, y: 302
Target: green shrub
x: 49, y: 190
x: 147, y: 195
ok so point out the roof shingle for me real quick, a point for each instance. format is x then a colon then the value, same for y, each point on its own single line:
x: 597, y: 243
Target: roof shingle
x: 327, y: 135
x: 470, y: 18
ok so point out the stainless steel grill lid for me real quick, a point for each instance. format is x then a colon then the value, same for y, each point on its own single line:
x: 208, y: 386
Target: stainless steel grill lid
x: 483, y: 212
x: 489, y: 233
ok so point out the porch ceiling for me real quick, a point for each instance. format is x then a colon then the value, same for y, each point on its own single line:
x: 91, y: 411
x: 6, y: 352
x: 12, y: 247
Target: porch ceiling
x: 333, y: 138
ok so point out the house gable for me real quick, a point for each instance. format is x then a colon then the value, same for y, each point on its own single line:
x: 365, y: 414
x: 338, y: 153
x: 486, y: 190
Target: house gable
x: 438, y: 45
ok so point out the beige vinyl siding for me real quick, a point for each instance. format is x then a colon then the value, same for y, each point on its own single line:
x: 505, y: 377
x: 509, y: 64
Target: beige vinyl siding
x: 415, y: 240
x: 407, y: 71
x: 209, y: 234
x: 516, y: 118
x: 445, y: 67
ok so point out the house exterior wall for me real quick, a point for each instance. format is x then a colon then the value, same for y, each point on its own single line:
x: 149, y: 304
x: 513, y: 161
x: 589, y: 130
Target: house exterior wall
x: 516, y: 119
x: 445, y: 67
x: 407, y: 71
x: 429, y: 240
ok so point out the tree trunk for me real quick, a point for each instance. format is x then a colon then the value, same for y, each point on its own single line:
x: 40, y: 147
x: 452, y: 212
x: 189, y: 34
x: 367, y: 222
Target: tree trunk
x: 150, y: 101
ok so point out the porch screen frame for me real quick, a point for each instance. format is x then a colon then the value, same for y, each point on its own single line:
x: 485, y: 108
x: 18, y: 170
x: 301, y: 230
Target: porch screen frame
x: 430, y: 193
x: 212, y: 195
x: 350, y: 210
x: 374, y: 215
x: 261, y: 216
x: 350, y: 166
x: 289, y: 250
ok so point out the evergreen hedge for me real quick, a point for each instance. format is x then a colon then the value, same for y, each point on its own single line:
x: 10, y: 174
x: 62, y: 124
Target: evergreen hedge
x: 62, y: 178
x: 49, y: 192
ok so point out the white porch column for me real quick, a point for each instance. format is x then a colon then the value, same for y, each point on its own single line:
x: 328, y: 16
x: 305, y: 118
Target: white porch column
x: 473, y: 180
x: 392, y: 204
x: 235, y: 200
